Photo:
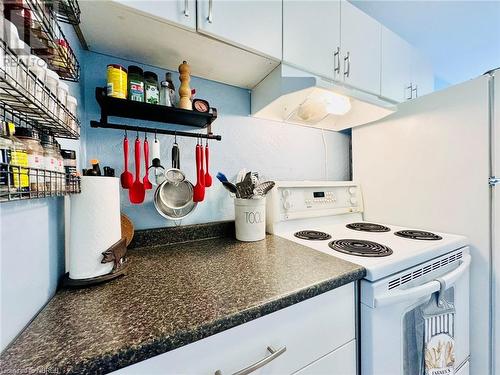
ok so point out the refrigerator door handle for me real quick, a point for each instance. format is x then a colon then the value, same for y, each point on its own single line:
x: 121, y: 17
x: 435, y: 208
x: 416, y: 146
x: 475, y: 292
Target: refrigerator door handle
x: 443, y: 282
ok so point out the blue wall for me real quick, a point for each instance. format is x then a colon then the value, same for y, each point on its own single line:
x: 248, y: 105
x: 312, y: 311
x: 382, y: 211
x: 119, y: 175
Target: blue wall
x: 278, y: 151
x: 33, y: 233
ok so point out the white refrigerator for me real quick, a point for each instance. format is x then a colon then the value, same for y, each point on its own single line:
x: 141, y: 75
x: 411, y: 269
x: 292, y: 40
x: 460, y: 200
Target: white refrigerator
x: 432, y: 165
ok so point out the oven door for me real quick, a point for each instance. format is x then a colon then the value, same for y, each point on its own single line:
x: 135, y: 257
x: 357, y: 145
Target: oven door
x: 391, y: 321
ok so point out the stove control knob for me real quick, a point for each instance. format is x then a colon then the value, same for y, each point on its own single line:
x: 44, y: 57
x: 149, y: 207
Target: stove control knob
x: 354, y: 201
x: 285, y: 193
x: 352, y: 190
x: 286, y: 205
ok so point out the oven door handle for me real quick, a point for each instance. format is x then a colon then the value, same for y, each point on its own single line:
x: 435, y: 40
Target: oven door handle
x: 451, y: 277
x: 401, y: 295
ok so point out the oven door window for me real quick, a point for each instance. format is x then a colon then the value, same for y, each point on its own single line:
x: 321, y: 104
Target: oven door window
x: 413, y: 337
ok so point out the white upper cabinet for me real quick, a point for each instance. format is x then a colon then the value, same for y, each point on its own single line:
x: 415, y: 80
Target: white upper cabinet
x: 421, y: 74
x: 406, y: 73
x: 255, y: 25
x: 396, y: 63
x: 360, y: 49
x: 179, y: 12
x: 311, y: 36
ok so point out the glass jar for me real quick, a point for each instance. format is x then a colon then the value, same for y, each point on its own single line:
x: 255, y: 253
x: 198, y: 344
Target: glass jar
x: 19, y: 162
x: 151, y: 90
x: 72, y: 106
x: 50, y: 163
x: 5, y: 147
x: 167, y: 91
x: 116, y: 81
x: 69, y: 158
x: 135, y: 86
x: 34, y: 149
x: 51, y: 81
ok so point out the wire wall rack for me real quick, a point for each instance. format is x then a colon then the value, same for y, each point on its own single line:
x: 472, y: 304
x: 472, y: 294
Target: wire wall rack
x: 21, y: 183
x: 24, y: 94
x: 37, y: 26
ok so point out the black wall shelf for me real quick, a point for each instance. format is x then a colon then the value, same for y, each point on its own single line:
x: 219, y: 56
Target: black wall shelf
x: 151, y: 112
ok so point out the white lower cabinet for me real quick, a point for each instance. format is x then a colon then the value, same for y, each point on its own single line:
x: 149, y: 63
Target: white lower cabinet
x: 341, y: 361
x: 314, y: 330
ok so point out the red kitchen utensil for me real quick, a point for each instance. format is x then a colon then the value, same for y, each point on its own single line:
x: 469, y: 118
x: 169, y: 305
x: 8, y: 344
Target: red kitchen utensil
x: 126, y: 177
x: 208, y: 178
x: 136, y: 192
x: 147, y: 184
x: 199, y: 189
x: 202, y: 163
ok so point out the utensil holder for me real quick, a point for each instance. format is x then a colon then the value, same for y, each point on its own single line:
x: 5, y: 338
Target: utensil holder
x: 250, y: 219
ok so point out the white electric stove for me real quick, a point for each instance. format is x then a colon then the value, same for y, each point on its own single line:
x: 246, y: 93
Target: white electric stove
x: 404, y: 268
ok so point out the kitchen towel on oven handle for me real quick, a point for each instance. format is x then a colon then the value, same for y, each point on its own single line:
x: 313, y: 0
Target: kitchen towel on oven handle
x: 439, y: 335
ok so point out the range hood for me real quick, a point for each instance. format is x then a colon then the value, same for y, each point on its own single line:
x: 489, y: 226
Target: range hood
x: 293, y: 96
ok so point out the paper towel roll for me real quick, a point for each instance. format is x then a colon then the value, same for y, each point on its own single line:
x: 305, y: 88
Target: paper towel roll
x: 95, y: 226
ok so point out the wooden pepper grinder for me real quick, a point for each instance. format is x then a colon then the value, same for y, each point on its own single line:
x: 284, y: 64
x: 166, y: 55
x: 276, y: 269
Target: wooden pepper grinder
x: 184, y: 89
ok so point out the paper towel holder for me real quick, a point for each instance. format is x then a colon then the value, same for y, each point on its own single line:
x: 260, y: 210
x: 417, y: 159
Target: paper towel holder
x: 115, y: 253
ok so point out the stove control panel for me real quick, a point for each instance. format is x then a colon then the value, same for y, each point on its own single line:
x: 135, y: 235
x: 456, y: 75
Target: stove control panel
x: 306, y: 199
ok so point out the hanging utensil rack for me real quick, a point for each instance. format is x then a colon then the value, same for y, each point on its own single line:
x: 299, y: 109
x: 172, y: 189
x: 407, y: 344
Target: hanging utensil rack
x: 115, y: 107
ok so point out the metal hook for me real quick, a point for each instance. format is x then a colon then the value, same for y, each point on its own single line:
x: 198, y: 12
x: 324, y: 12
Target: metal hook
x: 137, y: 133
x: 155, y: 135
x: 145, y: 136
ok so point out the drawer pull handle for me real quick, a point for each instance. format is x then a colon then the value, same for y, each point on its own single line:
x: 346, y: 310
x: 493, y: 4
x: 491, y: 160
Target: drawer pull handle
x: 275, y: 353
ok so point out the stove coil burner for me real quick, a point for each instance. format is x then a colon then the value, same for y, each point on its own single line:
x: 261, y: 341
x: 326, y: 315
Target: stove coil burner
x: 418, y: 235
x: 368, y: 227
x: 312, y: 235
x: 360, y: 248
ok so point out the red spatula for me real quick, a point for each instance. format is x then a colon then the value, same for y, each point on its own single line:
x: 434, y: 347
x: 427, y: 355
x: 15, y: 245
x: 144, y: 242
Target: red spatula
x: 208, y: 178
x: 147, y: 184
x: 126, y: 177
x: 136, y: 192
x: 199, y: 189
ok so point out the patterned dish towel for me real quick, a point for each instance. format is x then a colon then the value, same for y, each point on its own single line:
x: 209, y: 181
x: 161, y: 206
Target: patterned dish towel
x: 439, y: 336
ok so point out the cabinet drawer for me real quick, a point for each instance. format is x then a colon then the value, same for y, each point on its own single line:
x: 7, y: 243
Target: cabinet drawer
x: 309, y: 330
x: 341, y: 361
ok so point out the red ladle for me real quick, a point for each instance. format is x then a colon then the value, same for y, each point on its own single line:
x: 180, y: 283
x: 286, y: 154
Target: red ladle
x: 126, y: 177
x: 208, y: 178
x: 199, y: 189
x: 147, y: 184
x: 137, y: 193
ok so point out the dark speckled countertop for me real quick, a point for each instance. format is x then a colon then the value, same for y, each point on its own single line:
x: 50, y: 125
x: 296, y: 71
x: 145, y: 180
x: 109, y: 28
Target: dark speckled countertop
x: 173, y: 295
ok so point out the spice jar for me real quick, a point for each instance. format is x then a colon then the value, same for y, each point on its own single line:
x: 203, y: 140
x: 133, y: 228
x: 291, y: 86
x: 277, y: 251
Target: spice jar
x: 72, y: 105
x: 152, y: 93
x: 62, y: 96
x: 135, y: 85
x: 5, y: 147
x: 50, y: 162
x: 34, y: 149
x: 167, y: 91
x: 51, y: 81
x: 18, y: 159
x: 117, y: 81
x: 60, y: 177
x: 69, y: 159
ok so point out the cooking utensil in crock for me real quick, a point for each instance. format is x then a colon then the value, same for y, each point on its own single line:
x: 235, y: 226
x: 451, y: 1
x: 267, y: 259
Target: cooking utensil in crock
x: 126, y: 177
